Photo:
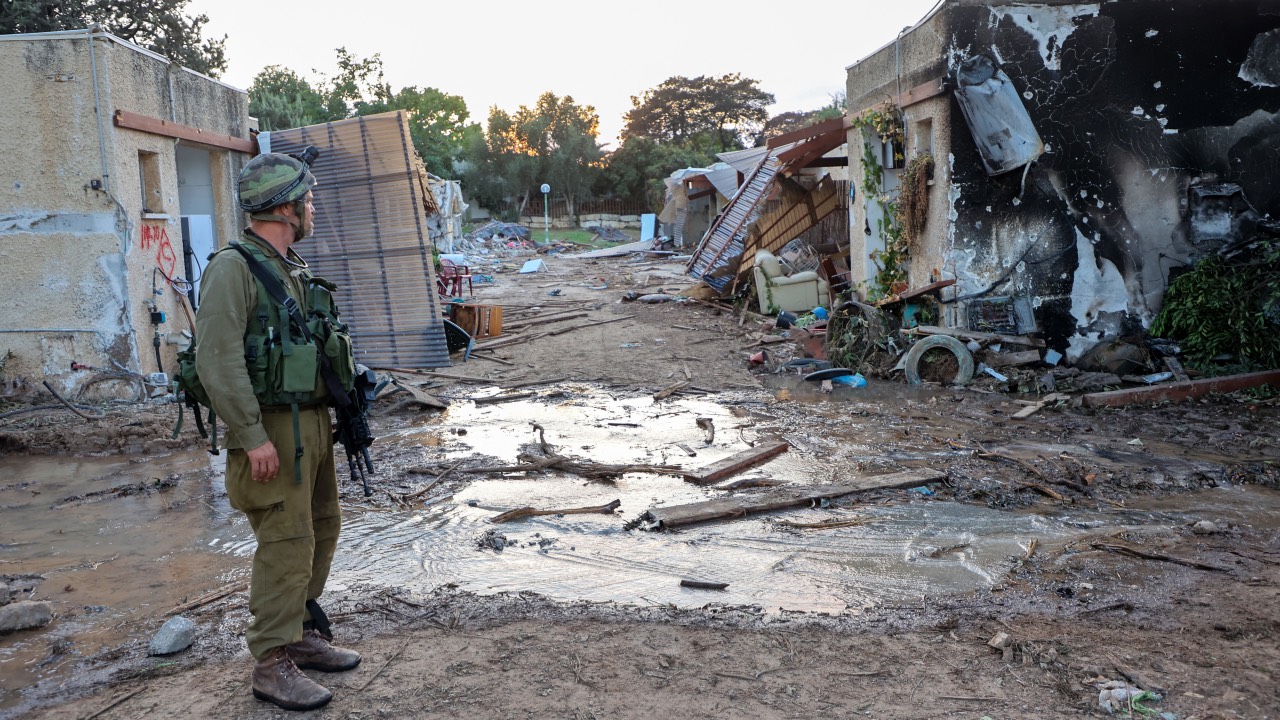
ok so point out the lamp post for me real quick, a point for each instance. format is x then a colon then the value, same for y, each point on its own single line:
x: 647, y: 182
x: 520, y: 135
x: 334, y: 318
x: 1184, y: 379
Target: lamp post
x: 546, y: 214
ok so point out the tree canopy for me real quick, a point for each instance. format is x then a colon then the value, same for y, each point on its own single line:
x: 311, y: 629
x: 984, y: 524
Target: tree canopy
x: 554, y: 141
x: 158, y: 25
x: 282, y: 99
x: 711, y: 113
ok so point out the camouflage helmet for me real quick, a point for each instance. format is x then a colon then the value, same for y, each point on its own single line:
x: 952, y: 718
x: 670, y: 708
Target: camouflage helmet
x: 273, y: 179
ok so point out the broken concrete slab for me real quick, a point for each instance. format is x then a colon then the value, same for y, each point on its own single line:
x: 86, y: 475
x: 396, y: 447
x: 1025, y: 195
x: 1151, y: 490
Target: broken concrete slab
x: 736, y: 463
x: 724, y: 508
x: 1179, y: 391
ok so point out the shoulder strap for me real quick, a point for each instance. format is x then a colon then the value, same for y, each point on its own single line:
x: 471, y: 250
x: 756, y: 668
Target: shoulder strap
x: 271, y: 283
x: 274, y: 288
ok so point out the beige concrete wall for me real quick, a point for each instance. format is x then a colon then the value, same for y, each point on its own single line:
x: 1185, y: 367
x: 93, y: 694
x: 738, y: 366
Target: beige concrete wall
x: 77, y: 251
x: 911, y: 60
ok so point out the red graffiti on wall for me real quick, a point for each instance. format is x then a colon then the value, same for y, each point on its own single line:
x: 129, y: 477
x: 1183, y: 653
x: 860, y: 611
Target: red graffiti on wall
x: 157, y: 237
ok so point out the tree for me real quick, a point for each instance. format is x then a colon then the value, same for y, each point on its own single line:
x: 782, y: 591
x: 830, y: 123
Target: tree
x: 357, y: 84
x: 554, y: 141
x: 636, y: 170
x: 795, y: 120
x: 158, y: 25
x: 714, y: 113
x: 281, y: 99
x: 437, y: 123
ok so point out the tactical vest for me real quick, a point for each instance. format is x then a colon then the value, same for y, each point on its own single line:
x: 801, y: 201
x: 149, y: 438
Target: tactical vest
x: 283, y: 364
x: 283, y: 361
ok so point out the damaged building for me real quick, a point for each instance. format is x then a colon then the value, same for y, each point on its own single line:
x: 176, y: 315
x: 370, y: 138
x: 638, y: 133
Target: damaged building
x: 118, y: 181
x: 1082, y: 156
x: 787, y: 205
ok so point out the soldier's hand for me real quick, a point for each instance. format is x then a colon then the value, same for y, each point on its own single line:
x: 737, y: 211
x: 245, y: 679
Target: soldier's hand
x: 265, y: 462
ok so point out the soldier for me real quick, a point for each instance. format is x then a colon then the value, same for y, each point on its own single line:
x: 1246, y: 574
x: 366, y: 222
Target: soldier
x: 262, y: 372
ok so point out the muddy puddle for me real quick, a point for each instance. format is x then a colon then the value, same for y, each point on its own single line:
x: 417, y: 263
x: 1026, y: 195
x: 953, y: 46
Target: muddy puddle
x: 115, y: 561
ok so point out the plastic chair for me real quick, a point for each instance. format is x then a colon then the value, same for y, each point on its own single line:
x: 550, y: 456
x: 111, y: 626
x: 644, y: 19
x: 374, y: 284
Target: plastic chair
x: 451, y: 277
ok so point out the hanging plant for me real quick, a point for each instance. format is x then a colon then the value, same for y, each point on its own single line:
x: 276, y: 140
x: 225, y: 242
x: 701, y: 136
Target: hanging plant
x: 912, y: 211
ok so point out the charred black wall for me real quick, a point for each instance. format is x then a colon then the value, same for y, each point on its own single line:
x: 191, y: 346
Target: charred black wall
x: 1138, y: 102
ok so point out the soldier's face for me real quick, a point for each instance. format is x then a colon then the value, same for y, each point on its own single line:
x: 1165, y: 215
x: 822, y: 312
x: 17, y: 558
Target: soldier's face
x: 309, y: 215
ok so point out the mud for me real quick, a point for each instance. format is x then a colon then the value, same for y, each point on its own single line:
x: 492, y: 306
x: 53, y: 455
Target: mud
x: 576, y: 616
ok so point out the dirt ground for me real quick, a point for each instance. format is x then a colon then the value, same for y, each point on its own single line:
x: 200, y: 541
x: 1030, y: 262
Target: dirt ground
x: 1196, y: 620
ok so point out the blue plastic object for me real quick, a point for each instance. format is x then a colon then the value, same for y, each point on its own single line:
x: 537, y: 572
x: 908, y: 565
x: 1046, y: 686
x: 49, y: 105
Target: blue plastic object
x: 820, y: 313
x: 855, y: 380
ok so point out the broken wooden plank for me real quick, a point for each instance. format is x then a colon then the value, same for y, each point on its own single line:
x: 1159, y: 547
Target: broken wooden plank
x: 591, y: 324
x: 976, y: 335
x: 1135, y: 552
x: 1176, y: 368
x: 725, y: 508
x: 670, y: 390
x: 541, y: 320
x: 999, y: 360
x: 1027, y: 412
x: 754, y: 482
x: 1179, y: 391
x: 736, y: 463
x: 525, y: 512
x: 503, y: 398
x: 420, y: 395
x: 531, y: 383
x: 703, y: 585
x: 209, y: 597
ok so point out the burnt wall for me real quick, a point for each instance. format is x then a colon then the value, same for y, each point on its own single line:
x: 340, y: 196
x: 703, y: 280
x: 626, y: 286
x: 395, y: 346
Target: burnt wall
x: 1141, y: 105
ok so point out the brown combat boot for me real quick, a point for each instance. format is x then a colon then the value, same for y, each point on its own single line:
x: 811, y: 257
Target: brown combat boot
x: 277, y: 679
x: 314, y: 652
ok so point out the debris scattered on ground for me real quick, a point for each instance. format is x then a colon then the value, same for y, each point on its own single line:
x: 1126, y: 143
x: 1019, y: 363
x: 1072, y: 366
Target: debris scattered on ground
x: 733, y: 507
x: 521, y: 513
x: 703, y: 585
x: 736, y: 463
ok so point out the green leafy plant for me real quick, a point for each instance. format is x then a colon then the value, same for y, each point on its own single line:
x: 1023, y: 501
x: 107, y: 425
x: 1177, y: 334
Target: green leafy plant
x: 1226, y: 308
x: 891, y: 261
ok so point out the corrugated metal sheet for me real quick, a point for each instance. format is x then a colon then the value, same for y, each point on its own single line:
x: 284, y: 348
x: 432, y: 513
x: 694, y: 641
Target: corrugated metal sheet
x: 371, y: 237
x: 715, y: 261
x: 744, y: 161
x: 725, y: 179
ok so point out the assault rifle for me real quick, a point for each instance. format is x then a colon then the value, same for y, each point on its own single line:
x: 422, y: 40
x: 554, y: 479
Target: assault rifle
x: 351, y: 408
x: 353, y: 424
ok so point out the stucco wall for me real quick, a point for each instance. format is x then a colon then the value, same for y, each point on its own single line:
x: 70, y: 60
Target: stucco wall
x: 1135, y: 103
x: 77, y: 250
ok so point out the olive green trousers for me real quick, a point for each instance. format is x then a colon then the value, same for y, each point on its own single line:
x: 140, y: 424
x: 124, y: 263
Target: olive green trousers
x: 296, y: 525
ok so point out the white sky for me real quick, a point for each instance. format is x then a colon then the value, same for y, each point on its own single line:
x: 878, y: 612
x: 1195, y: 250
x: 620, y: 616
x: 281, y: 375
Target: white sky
x: 506, y: 53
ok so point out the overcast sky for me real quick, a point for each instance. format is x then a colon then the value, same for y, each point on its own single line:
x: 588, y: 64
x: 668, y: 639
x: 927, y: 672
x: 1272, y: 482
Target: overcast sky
x: 506, y: 53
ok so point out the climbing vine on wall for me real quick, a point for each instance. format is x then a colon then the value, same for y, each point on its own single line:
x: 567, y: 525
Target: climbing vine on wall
x: 884, y: 125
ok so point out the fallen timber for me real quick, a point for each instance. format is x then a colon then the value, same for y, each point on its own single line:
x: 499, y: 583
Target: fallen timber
x: 524, y: 512
x: 728, y: 508
x: 735, y: 464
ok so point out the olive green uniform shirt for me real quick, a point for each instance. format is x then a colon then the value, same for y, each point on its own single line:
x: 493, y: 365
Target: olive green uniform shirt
x: 228, y: 303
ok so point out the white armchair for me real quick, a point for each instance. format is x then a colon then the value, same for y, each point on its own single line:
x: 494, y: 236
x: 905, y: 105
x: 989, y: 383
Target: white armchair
x: 794, y: 293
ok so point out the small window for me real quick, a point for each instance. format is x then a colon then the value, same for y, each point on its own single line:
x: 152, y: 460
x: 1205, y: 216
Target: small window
x: 922, y: 137
x: 149, y: 179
